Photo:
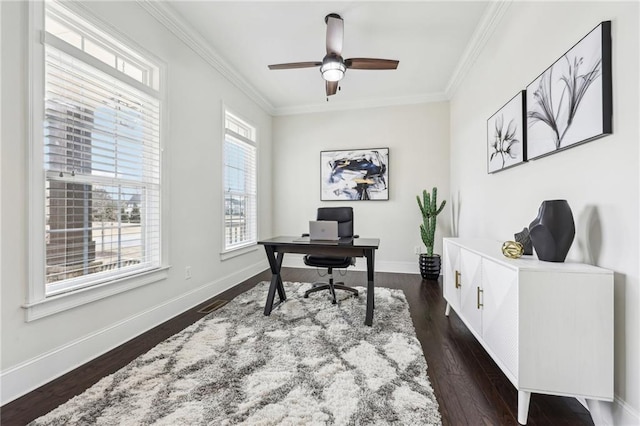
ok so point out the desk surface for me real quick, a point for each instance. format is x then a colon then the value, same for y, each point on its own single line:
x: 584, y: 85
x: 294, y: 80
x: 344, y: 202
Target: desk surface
x: 306, y: 242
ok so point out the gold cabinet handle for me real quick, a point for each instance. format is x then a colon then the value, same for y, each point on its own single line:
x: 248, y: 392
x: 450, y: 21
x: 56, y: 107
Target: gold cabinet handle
x: 478, y: 297
x: 458, y: 285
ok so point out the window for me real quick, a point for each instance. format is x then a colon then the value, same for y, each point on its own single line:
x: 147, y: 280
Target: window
x: 61, y: 25
x: 240, y: 210
x: 96, y: 160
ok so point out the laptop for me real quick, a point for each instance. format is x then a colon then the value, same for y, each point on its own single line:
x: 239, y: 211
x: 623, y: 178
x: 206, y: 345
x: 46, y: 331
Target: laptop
x: 323, y: 230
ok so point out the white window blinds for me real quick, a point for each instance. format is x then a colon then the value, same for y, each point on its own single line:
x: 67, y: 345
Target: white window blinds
x: 102, y: 163
x: 240, y: 215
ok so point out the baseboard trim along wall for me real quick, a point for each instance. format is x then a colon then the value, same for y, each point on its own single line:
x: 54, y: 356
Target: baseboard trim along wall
x: 623, y: 414
x: 29, y: 375
x: 616, y: 413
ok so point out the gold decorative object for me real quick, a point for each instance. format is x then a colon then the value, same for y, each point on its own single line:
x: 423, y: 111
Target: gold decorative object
x: 512, y: 249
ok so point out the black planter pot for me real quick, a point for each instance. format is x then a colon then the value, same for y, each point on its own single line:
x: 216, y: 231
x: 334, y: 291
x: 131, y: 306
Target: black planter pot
x: 430, y: 266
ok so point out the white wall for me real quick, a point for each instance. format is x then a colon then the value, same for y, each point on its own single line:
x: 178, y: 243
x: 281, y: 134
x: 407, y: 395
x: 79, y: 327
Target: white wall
x: 601, y: 174
x: 37, y: 351
x: 417, y: 137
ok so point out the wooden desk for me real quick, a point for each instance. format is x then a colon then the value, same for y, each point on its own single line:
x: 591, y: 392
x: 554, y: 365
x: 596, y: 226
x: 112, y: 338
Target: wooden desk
x: 352, y: 247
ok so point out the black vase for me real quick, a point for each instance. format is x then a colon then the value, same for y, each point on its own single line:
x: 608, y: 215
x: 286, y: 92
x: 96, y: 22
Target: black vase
x: 430, y: 266
x: 523, y: 238
x: 553, y: 230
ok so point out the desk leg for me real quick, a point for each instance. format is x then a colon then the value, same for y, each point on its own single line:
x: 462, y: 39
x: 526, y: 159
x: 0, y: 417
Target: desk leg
x: 370, y: 286
x: 276, y: 280
x: 280, y: 287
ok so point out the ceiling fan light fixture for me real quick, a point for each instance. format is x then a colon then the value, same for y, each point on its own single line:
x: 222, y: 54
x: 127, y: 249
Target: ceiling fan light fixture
x: 333, y: 65
x: 332, y: 69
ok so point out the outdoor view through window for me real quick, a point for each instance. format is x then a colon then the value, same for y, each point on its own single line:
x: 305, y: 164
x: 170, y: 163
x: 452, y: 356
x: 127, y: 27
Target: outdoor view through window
x: 239, y: 183
x: 101, y: 155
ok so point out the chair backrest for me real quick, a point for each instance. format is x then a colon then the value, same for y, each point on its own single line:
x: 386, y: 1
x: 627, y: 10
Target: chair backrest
x: 342, y: 215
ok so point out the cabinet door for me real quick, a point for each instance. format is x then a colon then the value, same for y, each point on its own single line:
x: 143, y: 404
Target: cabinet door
x: 500, y: 314
x: 451, y: 287
x: 471, y: 286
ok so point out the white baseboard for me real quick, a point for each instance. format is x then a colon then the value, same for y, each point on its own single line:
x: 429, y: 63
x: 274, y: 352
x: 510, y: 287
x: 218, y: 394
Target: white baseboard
x: 295, y: 261
x: 31, y: 374
x: 616, y: 413
x: 623, y: 414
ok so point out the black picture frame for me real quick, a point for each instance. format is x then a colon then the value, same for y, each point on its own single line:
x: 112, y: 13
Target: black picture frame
x: 354, y: 175
x: 507, y: 135
x: 571, y: 103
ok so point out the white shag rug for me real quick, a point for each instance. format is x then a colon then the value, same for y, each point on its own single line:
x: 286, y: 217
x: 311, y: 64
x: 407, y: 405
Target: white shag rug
x: 309, y: 363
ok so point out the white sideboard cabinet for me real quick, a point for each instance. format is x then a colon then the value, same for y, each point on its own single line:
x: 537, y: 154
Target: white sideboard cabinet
x: 547, y: 325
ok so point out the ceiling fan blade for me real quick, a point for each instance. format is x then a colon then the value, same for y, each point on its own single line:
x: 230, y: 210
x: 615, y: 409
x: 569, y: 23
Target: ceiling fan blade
x: 332, y: 87
x: 371, y: 64
x: 293, y: 65
x: 335, y: 34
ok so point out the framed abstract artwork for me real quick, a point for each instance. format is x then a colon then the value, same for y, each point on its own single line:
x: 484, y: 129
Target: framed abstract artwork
x: 507, y: 135
x: 357, y: 174
x: 571, y: 101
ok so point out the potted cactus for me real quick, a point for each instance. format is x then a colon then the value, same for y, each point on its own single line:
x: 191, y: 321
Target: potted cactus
x: 430, y: 263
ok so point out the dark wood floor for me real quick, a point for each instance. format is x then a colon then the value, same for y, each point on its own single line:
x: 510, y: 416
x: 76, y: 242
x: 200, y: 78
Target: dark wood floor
x: 470, y: 388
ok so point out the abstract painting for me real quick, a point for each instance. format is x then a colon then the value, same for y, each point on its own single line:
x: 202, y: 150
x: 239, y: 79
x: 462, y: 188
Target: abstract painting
x: 357, y: 174
x: 506, y: 135
x: 571, y: 102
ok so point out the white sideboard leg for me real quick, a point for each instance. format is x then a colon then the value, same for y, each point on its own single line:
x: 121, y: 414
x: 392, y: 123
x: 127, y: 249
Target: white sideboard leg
x: 447, y: 310
x: 523, y: 406
x: 599, y: 415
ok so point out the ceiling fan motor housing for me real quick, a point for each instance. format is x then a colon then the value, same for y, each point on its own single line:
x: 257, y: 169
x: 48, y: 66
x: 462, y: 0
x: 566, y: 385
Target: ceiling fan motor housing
x: 331, y: 15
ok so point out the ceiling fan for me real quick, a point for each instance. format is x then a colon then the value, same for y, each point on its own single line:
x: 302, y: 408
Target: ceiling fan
x: 333, y: 66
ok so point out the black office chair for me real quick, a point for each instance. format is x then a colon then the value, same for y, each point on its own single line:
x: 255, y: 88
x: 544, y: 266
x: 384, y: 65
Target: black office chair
x: 344, y: 217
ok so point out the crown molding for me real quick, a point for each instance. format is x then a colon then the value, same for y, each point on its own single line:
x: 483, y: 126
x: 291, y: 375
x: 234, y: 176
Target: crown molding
x: 164, y: 14
x: 360, y: 104
x: 483, y: 31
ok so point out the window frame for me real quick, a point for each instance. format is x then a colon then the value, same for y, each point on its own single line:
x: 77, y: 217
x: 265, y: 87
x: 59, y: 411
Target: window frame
x: 98, y: 35
x: 227, y: 253
x: 38, y: 304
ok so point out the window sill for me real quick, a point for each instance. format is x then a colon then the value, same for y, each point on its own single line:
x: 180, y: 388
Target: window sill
x: 238, y: 252
x: 62, y: 302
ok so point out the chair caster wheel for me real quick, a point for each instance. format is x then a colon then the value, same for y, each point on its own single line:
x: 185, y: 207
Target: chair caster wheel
x: 306, y: 296
x: 333, y: 302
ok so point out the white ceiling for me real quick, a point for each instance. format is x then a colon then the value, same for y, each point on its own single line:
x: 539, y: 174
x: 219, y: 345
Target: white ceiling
x: 430, y: 39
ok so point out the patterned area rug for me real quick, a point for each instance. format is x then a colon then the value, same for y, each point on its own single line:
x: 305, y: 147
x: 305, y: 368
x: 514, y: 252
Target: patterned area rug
x: 308, y: 363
